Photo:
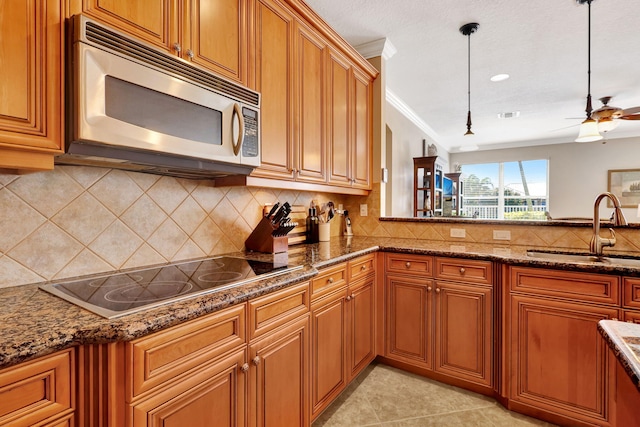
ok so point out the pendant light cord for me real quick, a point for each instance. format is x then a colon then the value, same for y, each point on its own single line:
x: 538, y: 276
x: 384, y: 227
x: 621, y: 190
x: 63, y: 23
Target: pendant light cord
x: 589, y: 108
x: 467, y: 30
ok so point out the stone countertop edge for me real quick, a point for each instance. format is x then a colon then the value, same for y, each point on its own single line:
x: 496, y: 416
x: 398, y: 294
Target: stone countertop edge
x: 620, y: 336
x: 34, y: 323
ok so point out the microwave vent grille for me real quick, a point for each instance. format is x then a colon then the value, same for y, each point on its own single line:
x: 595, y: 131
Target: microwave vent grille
x: 116, y: 42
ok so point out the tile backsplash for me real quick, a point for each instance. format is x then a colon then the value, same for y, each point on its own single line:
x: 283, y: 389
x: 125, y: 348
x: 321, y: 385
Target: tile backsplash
x: 83, y: 220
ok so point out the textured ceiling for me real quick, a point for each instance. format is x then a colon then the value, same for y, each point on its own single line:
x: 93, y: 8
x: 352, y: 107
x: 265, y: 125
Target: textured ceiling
x: 541, y: 44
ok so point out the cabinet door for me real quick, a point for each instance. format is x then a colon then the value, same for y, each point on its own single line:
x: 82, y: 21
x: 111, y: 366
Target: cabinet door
x: 328, y: 350
x: 362, y: 132
x: 408, y: 320
x: 339, y: 119
x: 310, y: 83
x: 274, y: 80
x: 361, y: 309
x: 463, y: 337
x: 211, y: 397
x: 559, y: 361
x: 279, y: 371
x: 31, y: 84
x: 154, y: 21
x: 216, y: 36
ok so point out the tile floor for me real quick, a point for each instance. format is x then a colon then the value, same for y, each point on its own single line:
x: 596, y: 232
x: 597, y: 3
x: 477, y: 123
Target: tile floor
x: 385, y: 396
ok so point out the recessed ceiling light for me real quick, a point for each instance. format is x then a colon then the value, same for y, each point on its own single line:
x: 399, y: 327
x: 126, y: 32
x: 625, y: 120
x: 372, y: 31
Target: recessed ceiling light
x: 509, y: 115
x: 499, y: 77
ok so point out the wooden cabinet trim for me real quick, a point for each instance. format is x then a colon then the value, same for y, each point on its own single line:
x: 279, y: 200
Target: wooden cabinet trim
x: 361, y: 267
x: 157, y: 358
x: 466, y: 270
x: 587, y: 287
x: 275, y: 309
x: 421, y: 265
x: 328, y: 280
x: 37, y: 390
x: 631, y: 298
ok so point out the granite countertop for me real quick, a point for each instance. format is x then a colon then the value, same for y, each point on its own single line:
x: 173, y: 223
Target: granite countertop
x: 34, y: 323
x: 624, y: 340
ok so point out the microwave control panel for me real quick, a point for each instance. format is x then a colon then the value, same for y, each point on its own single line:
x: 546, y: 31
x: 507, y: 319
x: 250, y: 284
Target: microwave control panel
x: 251, y: 145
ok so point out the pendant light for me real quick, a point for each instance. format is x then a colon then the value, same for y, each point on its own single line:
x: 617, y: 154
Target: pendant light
x: 467, y: 30
x: 588, y: 128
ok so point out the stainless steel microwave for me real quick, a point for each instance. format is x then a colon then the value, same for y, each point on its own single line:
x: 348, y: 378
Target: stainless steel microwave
x: 132, y: 106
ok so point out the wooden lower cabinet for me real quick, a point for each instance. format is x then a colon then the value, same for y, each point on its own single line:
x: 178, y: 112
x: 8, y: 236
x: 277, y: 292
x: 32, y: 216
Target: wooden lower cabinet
x: 214, y: 396
x: 559, y: 363
x: 39, y: 392
x: 342, y: 328
x: 360, y: 325
x: 463, y: 331
x: 278, y: 390
x: 408, y: 320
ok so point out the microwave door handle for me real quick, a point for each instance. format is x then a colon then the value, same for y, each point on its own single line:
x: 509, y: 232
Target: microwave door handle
x: 237, y: 115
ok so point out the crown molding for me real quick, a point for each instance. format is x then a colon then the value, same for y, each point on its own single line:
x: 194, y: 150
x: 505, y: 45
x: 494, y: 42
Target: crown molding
x: 380, y: 47
x: 411, y: 115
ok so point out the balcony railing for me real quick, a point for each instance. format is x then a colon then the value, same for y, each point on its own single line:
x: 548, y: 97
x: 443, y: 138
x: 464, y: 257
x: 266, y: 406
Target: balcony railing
x: 493, y: 211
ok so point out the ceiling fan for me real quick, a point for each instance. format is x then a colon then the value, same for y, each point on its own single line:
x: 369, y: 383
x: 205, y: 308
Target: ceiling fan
x: 607, y: 115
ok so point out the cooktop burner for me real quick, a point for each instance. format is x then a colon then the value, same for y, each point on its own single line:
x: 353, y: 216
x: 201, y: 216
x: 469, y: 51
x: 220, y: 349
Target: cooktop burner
x: 124, y: 293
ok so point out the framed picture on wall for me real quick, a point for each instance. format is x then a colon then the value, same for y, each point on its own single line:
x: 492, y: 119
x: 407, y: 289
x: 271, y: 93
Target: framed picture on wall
x: 625, y: 184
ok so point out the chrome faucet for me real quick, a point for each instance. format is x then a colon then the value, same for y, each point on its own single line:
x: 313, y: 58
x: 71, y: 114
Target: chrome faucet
x: 597, y: 242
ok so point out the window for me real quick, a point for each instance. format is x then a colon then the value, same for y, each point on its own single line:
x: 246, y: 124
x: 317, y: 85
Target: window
x: 508, y: 190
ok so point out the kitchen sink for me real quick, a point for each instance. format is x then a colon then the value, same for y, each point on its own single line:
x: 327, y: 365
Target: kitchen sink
x: 627, y: 261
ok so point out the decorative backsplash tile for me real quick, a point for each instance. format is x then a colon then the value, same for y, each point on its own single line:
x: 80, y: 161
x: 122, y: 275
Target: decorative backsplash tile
x: 82, y: 220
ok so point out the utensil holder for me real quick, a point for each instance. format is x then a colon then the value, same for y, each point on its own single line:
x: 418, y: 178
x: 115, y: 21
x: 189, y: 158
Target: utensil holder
x: 261, y: 239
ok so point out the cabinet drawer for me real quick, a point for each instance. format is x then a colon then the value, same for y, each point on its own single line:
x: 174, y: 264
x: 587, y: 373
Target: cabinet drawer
x: 361, y: 267
x: 466, y: 270
x: 409, y: 264
x: 157, y: 358
x: 34, y: 391
x: 328, y: 280
x: 631, y: 292
x: 270, y: 311
x: 571, y: 285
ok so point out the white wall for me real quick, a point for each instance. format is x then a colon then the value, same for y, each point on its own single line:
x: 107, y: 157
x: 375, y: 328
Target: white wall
x: 577, y: 172
x: 406, y: 144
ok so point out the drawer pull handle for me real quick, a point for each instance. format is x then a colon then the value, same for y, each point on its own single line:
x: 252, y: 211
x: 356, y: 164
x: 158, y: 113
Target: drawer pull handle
x: 462, y: 270
x: 408, y: 264
x: 245, y: 367
x: 256, y: 360
x: 363, y: 268
x: 330, y: 280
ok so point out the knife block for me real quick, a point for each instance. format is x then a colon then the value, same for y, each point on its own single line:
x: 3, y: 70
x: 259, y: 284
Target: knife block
x: 261, y: 240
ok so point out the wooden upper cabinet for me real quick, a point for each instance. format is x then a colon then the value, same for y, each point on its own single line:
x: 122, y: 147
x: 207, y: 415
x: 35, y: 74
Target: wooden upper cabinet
x: 274, y: 80
x: 154, y: 21
x: 362, y: 131
x: 216, y: 35
x: 310, y: 83
x: 211, y: 33
x: 338, y: 119
x: 31, y: 83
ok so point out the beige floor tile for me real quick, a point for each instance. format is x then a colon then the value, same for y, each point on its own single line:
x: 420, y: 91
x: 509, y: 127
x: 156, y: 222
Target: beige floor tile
x: 385, y: 396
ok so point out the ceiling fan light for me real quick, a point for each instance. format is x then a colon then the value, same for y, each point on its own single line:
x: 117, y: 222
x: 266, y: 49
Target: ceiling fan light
x: 589, y: 131
x: 607, y: 124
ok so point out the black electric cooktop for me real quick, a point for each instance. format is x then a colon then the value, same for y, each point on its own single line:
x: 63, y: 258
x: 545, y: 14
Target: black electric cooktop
x: 118, y: 294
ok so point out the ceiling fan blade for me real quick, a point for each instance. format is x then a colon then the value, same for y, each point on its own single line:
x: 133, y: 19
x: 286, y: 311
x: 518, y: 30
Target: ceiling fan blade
x: 630, y: 113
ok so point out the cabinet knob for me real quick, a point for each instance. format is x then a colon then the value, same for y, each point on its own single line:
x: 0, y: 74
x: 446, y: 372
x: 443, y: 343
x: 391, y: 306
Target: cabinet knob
x: 330, y: 280
x: 429, y: 288
x: 177, y: 47
x: 614, y: 318
x: 408, y: 264
x: 190, y: 53
x: 437, y: 290
x: 462, y: 270
x: 348, y: 297
x: 256, y: 360
x: 245, y: 367
x: 353, y: 296
x: 363, y: 268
